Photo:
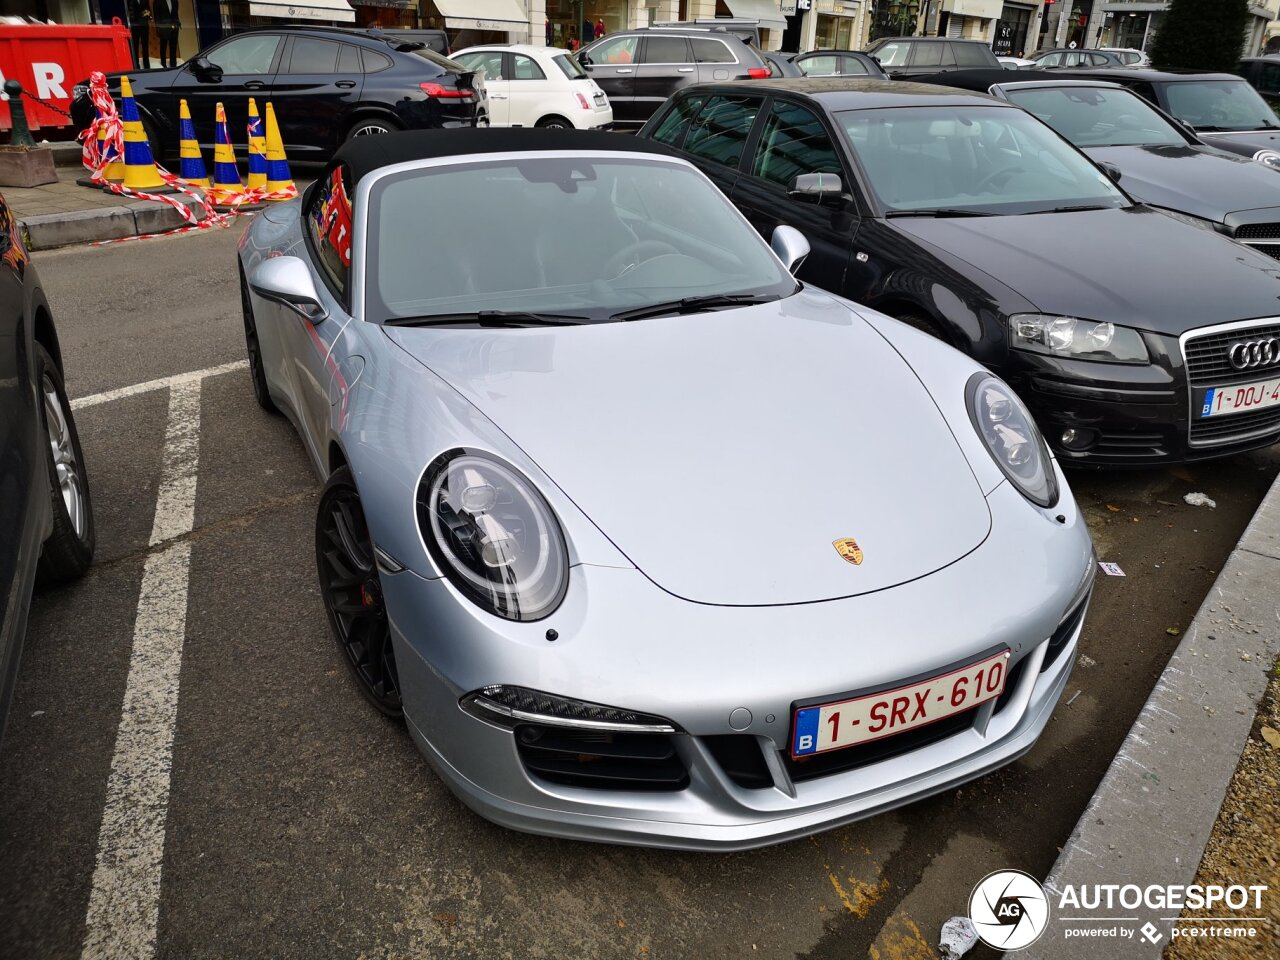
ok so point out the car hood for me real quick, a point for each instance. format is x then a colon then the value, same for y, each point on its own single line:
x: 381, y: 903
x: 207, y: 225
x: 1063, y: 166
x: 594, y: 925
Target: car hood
x: 1204, y: 183
x: 1244, y: 142
x: 724, y: 452
x: 1133, y: 265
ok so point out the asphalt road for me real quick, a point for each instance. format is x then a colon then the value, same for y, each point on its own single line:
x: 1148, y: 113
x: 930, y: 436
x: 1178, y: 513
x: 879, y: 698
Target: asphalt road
x: 301, y: 824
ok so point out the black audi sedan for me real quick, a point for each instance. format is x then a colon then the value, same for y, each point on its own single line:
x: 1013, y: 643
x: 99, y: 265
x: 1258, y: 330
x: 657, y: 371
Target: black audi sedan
x: 972, y: 220
x: 46, y: 521
x: 1222, y: 109
x: 327, y: 85
x: 1157, y: 160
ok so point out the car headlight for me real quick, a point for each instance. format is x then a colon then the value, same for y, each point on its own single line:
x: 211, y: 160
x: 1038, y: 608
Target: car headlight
x: 1270, y: 158
x: 1081, y: 339
x: 493, y: 535
x: 1011, y: 438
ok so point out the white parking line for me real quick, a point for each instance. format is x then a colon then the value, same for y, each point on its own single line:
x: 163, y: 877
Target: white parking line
x: 177, y: 380
x: 124, y: 903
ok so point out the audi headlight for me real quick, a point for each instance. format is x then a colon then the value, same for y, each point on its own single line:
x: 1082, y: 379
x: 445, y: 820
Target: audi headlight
x: 493, y: 535
x: 1011, y: 438
x: 1079, y: 339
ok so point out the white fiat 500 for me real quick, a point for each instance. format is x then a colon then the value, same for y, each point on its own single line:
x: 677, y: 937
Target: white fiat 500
x: 537, y: 87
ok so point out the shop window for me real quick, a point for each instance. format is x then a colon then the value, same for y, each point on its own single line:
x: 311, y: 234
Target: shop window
x: 310, y: 55
x: 721, y: 130
x: 711, y: 51
x: 525, y: 68
x: 794, y: 142
x: 673, y: 127
x: 666, y: 50
x: 248, y: 55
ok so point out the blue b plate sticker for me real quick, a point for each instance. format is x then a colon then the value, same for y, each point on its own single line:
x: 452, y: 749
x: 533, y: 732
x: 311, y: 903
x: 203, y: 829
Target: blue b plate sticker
x: 1208, y: 401
x: 806, y: 735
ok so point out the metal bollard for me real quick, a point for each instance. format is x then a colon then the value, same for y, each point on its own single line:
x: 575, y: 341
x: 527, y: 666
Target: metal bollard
x: 21, y: 133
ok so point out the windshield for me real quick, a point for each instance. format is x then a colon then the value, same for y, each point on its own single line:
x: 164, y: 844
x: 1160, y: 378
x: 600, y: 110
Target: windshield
x: 977, y: 159
x: 586, y: 237
x: 1220, y: 105
x: 1099, y: 117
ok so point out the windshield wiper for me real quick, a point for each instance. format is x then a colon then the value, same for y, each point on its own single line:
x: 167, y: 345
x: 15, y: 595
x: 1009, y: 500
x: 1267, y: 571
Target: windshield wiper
x: 490, y: 318
x: 1079, y: 208
x: 694, y: 304
x: 940, y: 212
x: 1209, y: 128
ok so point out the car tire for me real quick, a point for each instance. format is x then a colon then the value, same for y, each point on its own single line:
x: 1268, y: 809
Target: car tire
x: 253, y: 350
x: 924, y: 324
x: 370, y: 126
x: 68, y: 550
x: 352, y: 593
x: 554, y: 123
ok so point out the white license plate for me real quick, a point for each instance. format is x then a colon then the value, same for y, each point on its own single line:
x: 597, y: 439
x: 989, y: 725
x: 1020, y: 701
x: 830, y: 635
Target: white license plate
x: 1220, y: 401
x: 845, y: 723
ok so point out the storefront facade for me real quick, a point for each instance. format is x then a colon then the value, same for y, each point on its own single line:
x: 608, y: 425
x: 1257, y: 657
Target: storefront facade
x: 1015, y: 28
x: 581, y: 20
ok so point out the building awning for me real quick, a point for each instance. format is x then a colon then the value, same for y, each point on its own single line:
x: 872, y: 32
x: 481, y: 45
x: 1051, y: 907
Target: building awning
x: 328, y: 11
x: 502, y: 15
x: 766, y: 11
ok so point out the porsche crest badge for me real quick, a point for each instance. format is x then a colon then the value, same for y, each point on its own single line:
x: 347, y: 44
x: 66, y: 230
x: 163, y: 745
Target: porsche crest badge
x: 848, y: 548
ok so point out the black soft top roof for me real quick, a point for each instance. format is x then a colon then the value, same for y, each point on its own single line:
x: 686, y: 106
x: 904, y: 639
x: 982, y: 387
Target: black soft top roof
x: 363, y: 155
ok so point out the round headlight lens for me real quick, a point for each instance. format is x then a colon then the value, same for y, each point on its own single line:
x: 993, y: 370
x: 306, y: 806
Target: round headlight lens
x: 1011, y: 438
x: 493, y: 535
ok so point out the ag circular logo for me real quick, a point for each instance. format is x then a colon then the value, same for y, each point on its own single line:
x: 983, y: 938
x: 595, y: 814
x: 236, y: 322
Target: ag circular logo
x: 1009, y: 909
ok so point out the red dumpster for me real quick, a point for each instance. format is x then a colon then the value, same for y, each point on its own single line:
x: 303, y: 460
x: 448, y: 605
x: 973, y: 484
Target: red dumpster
x: 48, y: 60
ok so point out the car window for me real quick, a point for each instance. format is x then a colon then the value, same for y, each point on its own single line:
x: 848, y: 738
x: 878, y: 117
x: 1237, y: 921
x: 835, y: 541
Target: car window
x: 329, y: 228
x: 1049, y: 60
x: 248, y: 55
x: 793, y: 142
x: 568, y: 66
x: 666, y: 50
x: 853, y: 67
x: 310, y: 55
x: 774, y: 69
x: 893, y: 54
x: 488, y: 61
x: 1270, y: 77
x: 970, y: 55
x: 673, y: 127
x: 711, y: 51
x: 1098, y: 117
x: 928, y: 54
x: 720, y: 131
x: 823, y: 66
x: 349, y: 59
x: 526, y: 68
x: 986, y: 159
x: 1220, y: 105
x: 1098, y: 60
x: 374, y: 61
x: 567, y: 240
x: 615, y: 50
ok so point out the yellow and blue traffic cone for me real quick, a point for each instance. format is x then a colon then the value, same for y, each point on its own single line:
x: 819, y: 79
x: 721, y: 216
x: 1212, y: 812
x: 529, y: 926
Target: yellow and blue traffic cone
x: 192, y: 169
x: 279, y: 179
x: 226, y: 175
x: 257, y: 149
x: 140, y: 171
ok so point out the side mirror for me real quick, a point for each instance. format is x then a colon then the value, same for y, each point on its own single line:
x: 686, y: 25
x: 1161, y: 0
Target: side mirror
x: 287, y: 281
x: 1111, y: 170
x: 584, y: 60
x: 790, y: 245
x: 816, y: 188
x: 206, y: 71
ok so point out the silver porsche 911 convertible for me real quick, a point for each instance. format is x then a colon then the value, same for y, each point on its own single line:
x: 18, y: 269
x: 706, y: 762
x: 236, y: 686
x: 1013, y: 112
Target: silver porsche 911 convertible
x: 645, y: 540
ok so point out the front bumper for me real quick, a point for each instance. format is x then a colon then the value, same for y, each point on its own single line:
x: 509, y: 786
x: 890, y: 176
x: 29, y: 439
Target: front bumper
x: 623, y: 641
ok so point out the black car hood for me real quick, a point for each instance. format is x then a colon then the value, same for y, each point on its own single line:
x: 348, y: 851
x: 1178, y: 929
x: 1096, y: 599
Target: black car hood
x: 1195, y: 180
x: 1244, y: 142
x: 1133, y: 265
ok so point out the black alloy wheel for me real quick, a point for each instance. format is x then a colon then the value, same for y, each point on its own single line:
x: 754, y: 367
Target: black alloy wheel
x: 68, y: 551
x: 254, y: 350
x: 352, y: 592
x: 555, y: 123
x: 370, y: 128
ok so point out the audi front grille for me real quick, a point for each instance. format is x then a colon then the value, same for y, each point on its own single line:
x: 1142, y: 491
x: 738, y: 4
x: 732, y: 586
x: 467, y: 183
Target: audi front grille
x: 1263, y: 237
x: 1208, y: 359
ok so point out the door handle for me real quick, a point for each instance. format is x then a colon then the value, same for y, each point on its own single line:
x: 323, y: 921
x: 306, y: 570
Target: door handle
x: 344, y: 84
x: 497, y: 96
x: 626, y: 70
x: 255, y: 85
x: 684, y: 70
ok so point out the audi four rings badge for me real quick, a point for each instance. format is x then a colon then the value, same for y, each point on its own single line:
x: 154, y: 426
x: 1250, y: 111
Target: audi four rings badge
x: 1248, y: 354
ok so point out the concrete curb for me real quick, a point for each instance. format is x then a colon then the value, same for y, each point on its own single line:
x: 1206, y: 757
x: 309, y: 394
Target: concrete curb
x: 130, y: 219
x: 1150, y: 819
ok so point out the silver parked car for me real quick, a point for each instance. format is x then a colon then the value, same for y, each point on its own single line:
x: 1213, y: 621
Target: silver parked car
x: 647, y: 541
